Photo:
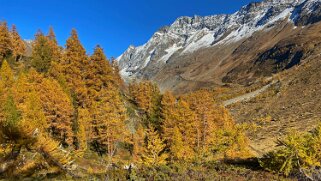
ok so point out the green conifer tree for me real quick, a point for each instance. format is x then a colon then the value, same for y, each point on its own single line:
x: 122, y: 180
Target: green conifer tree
x: 42, y: 54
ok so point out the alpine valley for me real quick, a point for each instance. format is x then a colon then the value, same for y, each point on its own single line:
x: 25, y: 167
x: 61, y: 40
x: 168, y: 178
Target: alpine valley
x: 220, y: 97
x: 263, y: 62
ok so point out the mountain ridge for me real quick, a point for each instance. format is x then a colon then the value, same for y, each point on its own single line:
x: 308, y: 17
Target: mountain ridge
x: 190, y: 34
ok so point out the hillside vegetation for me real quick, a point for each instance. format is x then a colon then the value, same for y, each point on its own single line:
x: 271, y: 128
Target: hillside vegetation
x: 64, y: 114
x: 67, y: 115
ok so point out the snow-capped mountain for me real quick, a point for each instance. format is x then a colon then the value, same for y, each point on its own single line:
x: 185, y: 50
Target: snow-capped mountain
x: 189, y: 34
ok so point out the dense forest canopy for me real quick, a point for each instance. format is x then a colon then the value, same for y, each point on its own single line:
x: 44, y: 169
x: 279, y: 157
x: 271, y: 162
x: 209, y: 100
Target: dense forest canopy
x: 62, y: 105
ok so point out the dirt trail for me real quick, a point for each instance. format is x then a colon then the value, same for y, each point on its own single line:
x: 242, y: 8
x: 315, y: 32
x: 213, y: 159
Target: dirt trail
x: 248, y: 96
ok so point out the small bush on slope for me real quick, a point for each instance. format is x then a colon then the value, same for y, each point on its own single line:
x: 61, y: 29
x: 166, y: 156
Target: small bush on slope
x: 298, y: 154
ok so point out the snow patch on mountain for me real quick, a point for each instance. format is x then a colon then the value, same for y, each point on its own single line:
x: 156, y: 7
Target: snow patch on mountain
x: 169, y: 52
x: 203, y: 42
x: 247, y: 30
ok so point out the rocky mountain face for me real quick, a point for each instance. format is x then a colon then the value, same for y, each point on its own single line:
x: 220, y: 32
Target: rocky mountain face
x: 260, y: 39
x: 28, y: 44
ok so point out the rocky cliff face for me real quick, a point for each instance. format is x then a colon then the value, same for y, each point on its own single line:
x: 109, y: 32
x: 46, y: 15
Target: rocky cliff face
x: 202, y: 51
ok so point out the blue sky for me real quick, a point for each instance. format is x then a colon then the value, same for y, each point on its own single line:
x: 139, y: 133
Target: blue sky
x: 113, y: 24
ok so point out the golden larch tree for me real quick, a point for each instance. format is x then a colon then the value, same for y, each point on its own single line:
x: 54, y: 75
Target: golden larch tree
x: 74, y: 66
x: 18, y: 45
x: 54, y: 47
x: 5, y: 41
x: 99, y: 75
x: 217, y: 134
x: 138, y: 142
x: 83, y: 131
x: 109, y: 122
x: 168, y: 111
x: 203, y: 104
x: 106, y: 106
x: 6, y: 75
x: 56, y: 105
x: 185, y: 119
x: 177, y: 146
x: 120, y: 82
x: 146, y: 95
x: 153, y: 152
x: 142, y: 94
